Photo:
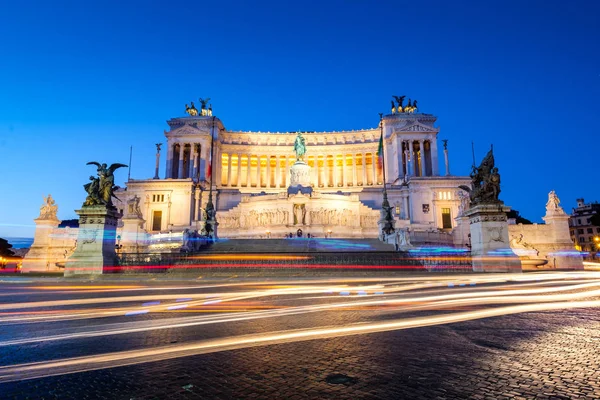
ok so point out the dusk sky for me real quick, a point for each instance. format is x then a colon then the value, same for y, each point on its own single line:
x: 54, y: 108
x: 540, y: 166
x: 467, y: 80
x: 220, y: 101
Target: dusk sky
x: 83, y: 81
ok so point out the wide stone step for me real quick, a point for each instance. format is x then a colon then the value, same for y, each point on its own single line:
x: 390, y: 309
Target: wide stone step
x: 297, y: 245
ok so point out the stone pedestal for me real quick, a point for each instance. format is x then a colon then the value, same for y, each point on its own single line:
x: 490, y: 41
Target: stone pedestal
x: 460, y: 233
x: 300, y: 179
x: 96, y: 241
x: 563, y: 254
x: 214, y: 227
x: 133, y: 235
x: 490, y: 246
x: 39, y: 257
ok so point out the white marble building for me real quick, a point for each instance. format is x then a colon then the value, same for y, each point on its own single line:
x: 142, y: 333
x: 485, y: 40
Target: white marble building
x: 252, y: 174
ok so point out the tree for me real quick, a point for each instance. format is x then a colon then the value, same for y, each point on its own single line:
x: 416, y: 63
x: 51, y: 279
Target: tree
x: 5, y: 248
x: 517, y: 216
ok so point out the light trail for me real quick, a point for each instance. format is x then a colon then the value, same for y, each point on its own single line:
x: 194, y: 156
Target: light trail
x: 119, y: 359
x: 451, y: 298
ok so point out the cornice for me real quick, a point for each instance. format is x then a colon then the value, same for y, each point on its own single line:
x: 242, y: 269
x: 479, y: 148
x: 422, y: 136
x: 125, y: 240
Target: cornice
x: 310, y: 150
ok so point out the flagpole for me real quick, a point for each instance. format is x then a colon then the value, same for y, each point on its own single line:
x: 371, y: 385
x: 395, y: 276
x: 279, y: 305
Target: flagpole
x: 382, y: 153
x: 129, y: 169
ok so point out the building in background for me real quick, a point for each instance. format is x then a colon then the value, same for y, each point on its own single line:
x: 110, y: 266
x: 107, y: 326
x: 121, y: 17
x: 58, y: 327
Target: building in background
x: 584, y: 233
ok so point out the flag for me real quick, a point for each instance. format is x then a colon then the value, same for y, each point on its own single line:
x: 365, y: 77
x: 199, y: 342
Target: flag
x: 380, y: 152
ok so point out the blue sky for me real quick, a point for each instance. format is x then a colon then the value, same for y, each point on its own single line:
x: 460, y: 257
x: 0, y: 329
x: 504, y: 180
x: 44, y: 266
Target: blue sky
x: 84, y: 81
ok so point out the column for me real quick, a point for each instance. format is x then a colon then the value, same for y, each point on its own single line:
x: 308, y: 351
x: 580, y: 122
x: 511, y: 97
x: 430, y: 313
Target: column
x: 374, y: 168
x: 422, y: 151
x: 314, y: 173
x: 157, y: 162
x: 354, y: 182
x: 277, y: 172
x: 169, y: 168
x: 180, y: 169
x: 196, y: 204
x: 318, y: 179
x: 335, y: 172
x: 191, y: 161
x: 326, y: 170
x: 229, y: 160
x: 286, y: 171
x: 364, y: 168
x: 196, y: 165
x: 217, y: 167
x: 399, y: 166
x: 435, y: 168
x: 238, y: 183
x: 447, y: 162
x: 405, y: 205
x: 258, y: 171
x: 268, y: 171
x: 343, y: 171
x: 248, y: 176
x: 411, y: 145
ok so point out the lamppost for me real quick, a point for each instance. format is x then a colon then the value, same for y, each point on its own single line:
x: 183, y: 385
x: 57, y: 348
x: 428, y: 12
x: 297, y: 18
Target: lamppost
x: 388, y: 226
x: 210, y: 207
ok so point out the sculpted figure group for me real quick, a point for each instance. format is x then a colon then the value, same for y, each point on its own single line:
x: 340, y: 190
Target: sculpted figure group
x: 133, y: 207
x: 204, y: 111
x: 193, y: 241
x: 49, y: 209
x: 301, y: 216
x: 325, y: 216
x: 553, y: 204
x: 399, y: 107
x: 485, y: 180
x: 101, y: 188
x: 261, y: 218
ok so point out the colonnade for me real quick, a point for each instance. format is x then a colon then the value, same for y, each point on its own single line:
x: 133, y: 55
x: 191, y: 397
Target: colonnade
x: 272, y: 171
x: 187, y: 160
x: 418, y: 158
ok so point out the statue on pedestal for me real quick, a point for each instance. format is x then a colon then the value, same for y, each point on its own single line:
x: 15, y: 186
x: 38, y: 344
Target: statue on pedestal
x: 133, y: 207
x: 485, y: 180
x: 49, y: 209
x: 552, y: 206
x: 300, y: 147
x: 402, y: 239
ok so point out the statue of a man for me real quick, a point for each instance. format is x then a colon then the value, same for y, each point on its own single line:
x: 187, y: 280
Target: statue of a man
x: 299, y: 147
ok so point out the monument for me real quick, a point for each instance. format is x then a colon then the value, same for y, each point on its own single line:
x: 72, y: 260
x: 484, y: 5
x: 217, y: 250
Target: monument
x: 40, y: 257
x: 490, y: 245
x: 300, y: 170
x: 98, y: 219
x: 133, y: 235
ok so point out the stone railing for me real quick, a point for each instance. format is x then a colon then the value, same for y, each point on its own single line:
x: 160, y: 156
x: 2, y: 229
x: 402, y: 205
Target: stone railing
x: 423, y: 237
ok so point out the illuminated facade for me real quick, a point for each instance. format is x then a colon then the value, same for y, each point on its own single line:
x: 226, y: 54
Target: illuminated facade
x: 251, y: 178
